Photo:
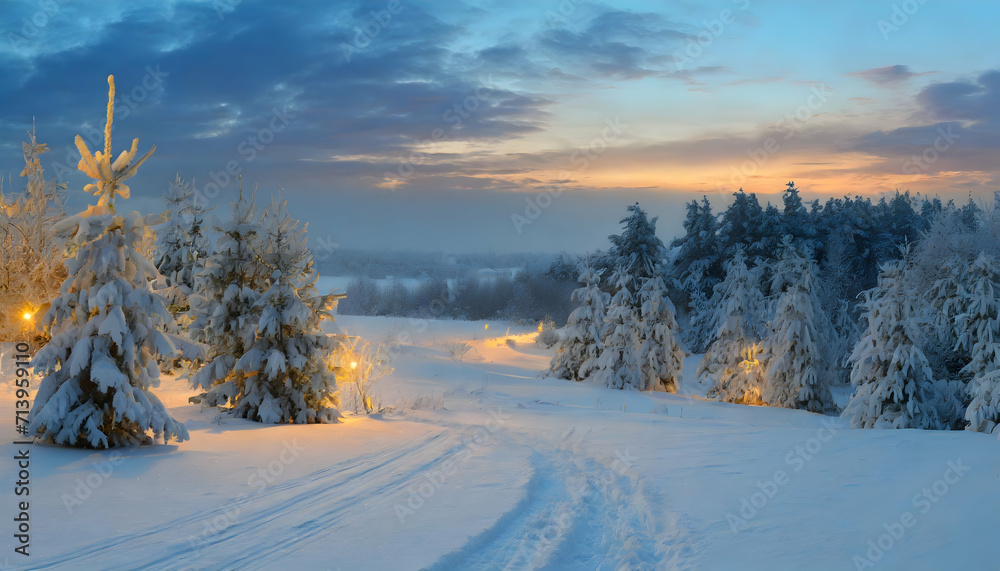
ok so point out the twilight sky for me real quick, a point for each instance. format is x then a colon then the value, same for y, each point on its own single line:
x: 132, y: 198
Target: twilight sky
x: 420, y: 125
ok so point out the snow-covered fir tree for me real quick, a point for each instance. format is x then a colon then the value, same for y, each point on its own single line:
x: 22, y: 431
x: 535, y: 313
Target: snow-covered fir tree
x: 637, y: 252
x: 618, y: 363
x: 980, y: 338
x: 846, y: 333
x: 576, y: 357
x: 742, y: 382
x: 661, y: 357
x: 107, y: 326
x: 286, y: 374
x: 181, y: 246
x: 894, y: 386
x: 739, y: 327
x: 799, y: 367
x: 224, y: 310
x: 698, y: 333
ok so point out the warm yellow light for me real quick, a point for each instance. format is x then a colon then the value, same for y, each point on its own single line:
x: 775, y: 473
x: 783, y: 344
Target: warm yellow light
x: 354, y: 364
x: 487, y: 326
x: 27, y: 316
x: 540, y: 323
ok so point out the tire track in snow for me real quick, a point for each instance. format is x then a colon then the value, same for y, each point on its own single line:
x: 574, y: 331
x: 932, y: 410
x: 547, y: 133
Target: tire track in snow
x: 577, y: 514
x: 313, y: 499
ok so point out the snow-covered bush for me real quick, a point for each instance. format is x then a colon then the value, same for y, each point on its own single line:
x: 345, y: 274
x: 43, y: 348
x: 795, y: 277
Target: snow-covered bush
x: 547, y: 336
x: 576, y: 357
x: 894, y: 386
x: 107, y: 325
x: 31, y: 256
x: 360, y: 367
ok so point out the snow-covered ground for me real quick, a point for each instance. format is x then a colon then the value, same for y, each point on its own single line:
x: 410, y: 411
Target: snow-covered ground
x: 484, y: 466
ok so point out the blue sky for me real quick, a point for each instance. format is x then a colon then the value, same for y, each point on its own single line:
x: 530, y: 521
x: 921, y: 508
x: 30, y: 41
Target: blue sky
x: 436, y: 125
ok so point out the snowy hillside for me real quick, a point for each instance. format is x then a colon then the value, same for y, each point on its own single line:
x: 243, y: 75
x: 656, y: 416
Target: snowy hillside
x: 484, y: 466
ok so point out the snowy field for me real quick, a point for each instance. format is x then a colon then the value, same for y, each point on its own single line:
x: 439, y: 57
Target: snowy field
x: 484, y: 466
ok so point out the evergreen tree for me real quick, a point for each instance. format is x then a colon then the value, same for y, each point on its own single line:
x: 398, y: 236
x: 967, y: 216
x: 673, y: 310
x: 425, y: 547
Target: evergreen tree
x: 795, y: 220
x: 286, y: 375
x: 894, y: 386
x: 618, y: 364
x: 738, y: 326
x: 846, y: 333
x: 980, y: 339
x: 637, y: 252
x: 173, y: 257
x: 224, y: 311
x: 798, y: 373
x: 576, y: 357
x: 742, y: 381
x: 661, y: 356
x: 698, y: 333
x: 107, y: 326
x: 742, y: 225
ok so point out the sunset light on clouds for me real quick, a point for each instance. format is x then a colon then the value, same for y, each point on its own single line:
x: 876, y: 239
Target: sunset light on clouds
x: 458, y: 112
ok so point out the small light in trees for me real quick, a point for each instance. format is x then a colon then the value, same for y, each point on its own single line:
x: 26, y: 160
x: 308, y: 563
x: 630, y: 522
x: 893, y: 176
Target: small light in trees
x: 27, y: 316
x: 354, y: 365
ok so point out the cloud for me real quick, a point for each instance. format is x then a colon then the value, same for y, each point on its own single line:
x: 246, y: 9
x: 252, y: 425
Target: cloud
x: 977, y: 101
x: 886, y: 76
x: 614, y: 44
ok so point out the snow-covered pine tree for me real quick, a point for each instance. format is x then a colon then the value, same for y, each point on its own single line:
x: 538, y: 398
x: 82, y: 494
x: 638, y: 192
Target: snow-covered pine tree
x: 286, y: 375
x: 223, y: 309
x: 698, y: 333
x: 799, y: 364
x: 618, y: 363
x: 742, y: 381
x: 107, y: 325
x: 576, y: 357
x: 846, y: 332
x: 661, y: 357
x: 181, y: 246
x: 894, y: 386
x: 739, y: 331
x: 980, y: 338
x: 637, y: 253
x: 173, y: 258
